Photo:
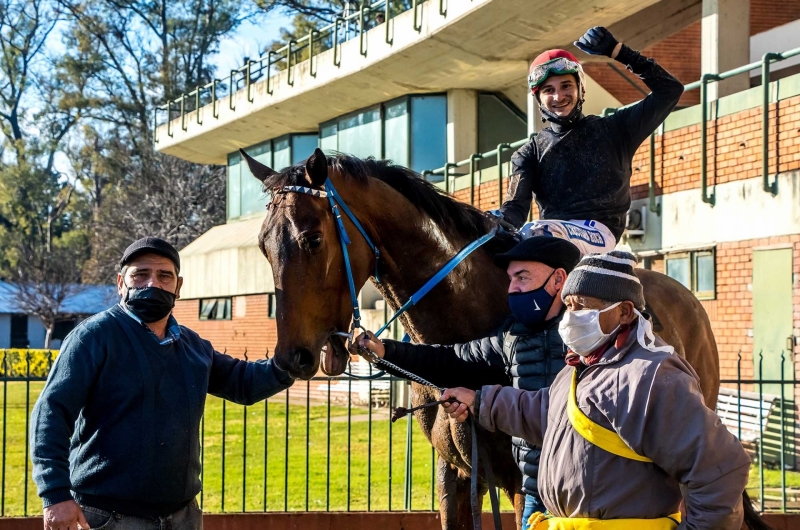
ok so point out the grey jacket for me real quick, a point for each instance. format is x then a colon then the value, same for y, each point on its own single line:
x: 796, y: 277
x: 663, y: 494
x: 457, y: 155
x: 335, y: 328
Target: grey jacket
x: 653, y: 401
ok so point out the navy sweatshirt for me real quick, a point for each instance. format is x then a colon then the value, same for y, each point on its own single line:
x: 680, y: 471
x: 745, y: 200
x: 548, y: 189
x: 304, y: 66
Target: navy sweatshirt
x: 583, y: 171
x: 132, y: 409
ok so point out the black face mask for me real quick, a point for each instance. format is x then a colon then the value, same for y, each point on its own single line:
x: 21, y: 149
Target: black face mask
x: 150, y: 304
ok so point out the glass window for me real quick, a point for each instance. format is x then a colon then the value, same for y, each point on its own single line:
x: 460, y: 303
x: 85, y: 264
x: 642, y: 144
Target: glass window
x: 303, y: 146
x: 678, y: 268
x: 272, y: 303
x: 253, y: 197
x: 498, y: 121
x: 234, y: 188
x: 428, y: 132
x: 360, y: 134
x: 704, y: 267
x: 280, y: 154
x: 395, y: 132
x: 215, y: 309
x: 328, y: 139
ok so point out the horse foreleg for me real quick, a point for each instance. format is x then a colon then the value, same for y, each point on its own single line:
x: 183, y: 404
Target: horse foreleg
x: 455, y: 508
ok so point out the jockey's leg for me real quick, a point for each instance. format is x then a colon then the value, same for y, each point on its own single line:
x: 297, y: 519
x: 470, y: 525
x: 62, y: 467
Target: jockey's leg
x: 589, y: 236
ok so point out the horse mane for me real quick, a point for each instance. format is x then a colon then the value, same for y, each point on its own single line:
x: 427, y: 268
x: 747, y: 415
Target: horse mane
x: 447, y: 213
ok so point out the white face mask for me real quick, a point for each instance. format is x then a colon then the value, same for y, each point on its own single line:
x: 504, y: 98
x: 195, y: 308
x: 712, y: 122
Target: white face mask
x: 581, y: 330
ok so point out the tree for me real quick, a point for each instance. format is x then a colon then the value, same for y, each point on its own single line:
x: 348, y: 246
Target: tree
x: 134, y: 55
x: 41, y: 236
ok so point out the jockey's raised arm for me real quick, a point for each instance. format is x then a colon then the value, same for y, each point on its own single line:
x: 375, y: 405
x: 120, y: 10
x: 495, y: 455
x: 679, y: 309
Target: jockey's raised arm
x: 579, y: 167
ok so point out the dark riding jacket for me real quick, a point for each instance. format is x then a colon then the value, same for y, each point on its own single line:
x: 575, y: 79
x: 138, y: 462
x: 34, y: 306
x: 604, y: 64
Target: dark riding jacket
x: 529, y: 358
x: 583, y: 171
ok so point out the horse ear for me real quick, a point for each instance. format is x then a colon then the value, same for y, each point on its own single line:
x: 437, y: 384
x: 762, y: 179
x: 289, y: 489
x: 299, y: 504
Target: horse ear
x: 317, y: 168
x: 259, y: 170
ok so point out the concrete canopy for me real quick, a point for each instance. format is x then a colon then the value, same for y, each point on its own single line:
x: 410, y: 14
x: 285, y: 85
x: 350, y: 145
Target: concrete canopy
x: 479, y: 44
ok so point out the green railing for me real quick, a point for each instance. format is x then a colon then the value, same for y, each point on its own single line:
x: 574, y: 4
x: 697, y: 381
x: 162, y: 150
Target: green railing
x: 654, y: 206
x: 329, y: 37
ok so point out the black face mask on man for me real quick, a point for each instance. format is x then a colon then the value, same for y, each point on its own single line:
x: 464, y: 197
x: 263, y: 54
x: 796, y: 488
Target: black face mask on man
x: 150, y: 304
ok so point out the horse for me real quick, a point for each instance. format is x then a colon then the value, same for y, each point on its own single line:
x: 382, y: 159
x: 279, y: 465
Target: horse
x: 417, y: 228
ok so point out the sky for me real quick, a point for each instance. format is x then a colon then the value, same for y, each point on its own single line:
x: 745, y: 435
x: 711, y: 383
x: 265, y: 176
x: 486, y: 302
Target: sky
x: 248, y: 41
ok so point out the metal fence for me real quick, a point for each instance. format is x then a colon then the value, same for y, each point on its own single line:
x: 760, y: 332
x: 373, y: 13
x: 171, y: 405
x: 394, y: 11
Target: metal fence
x: 329, y: 445
x: 326, y: 444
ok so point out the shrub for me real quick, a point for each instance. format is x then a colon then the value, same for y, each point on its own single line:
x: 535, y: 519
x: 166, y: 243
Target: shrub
x: 14, y: 362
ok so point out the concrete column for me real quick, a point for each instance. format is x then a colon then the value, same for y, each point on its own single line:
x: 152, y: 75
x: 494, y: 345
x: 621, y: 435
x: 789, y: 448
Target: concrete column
x: 725, y: 43
x: 462, y: 124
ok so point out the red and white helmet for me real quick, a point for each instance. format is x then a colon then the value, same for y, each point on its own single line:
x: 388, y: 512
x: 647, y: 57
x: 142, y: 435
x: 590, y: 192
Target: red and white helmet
x: 555, y: 62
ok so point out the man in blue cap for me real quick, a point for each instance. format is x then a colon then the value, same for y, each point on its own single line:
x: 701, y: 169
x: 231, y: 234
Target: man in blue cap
x: 115, y: 432
x: 526, y: 351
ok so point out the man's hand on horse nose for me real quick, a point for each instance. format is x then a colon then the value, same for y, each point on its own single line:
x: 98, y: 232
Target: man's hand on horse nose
x: 463, y: 405
x: 369, y: 341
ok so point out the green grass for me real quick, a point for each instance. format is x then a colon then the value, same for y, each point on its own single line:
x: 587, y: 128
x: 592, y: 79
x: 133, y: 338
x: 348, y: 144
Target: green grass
x: 327, y: 482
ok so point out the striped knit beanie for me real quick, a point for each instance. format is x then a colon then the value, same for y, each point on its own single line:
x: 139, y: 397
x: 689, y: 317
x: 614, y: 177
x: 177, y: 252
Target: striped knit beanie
x: 609, y: 277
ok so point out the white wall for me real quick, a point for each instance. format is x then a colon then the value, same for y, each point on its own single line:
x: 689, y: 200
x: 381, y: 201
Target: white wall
x: 743, y: 211
x: 36, y: 332
x: 780, y: 39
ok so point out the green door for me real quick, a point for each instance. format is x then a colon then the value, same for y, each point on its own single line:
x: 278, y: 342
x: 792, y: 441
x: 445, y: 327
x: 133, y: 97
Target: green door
x: 772, y: 316
x: 772, y: 327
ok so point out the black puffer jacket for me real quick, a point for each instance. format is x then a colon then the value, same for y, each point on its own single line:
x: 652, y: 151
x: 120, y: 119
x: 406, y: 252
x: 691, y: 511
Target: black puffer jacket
x: 583, y: 171
x: 528, y: 358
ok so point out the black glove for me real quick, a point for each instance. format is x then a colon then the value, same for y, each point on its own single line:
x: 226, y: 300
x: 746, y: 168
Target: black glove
x: 597, y: 41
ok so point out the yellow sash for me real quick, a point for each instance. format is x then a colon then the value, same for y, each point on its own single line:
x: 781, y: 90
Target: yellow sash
x: 597, y: 434
x: 539, y: 521
x: 610, y: 441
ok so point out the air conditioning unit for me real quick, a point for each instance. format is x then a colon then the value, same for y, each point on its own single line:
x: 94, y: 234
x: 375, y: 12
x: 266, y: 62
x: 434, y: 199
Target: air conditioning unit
x: 636, y: 222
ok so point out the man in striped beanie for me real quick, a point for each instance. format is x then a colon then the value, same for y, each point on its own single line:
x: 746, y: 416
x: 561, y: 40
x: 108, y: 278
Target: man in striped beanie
x: 623, y: 428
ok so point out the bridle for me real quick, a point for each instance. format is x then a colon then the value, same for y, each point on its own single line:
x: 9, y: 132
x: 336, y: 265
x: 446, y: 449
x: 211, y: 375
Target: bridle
x: 337, y: 205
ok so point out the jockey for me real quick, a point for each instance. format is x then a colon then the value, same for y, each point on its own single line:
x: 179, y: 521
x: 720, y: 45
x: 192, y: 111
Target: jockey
x: 579, y: 168
x: 624, y: 431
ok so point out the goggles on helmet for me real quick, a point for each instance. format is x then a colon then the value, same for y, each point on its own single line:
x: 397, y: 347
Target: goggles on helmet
x: 558, y: 66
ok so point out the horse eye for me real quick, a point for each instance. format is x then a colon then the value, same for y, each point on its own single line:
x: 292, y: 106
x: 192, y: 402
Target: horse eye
x: 312, y: 241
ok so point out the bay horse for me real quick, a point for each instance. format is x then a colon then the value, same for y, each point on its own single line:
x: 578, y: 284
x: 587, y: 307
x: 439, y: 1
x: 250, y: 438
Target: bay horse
x: 417, y: 228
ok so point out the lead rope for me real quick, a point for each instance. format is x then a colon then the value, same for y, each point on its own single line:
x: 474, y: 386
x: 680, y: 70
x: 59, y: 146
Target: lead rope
x: 479, y: 454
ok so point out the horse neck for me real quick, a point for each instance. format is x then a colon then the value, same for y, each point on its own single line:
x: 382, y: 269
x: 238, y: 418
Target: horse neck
x: 413, y: 248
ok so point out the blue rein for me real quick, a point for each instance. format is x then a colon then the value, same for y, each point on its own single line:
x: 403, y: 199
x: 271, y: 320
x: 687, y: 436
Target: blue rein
x: 337, y: 203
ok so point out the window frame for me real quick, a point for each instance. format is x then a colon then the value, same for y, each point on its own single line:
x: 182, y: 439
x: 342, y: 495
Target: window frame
x: 228, y: 300
x: 693, y: 256
x: 272, y: 302
x: 704, y: 295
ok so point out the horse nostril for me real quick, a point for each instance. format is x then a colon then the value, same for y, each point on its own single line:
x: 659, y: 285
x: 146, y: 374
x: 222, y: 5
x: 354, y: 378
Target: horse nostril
x: 303, y: 358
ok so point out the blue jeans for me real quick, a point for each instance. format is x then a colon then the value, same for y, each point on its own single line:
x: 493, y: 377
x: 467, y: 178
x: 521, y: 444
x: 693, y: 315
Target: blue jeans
x: 532, y: 505
x: 189, y: 518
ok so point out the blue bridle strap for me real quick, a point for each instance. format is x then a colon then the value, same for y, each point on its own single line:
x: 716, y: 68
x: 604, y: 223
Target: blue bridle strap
x: 336, y: 197
x: 439, y: 276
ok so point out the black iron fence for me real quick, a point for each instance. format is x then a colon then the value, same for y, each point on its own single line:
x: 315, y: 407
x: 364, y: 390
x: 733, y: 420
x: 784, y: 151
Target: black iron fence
x: 328, y: 445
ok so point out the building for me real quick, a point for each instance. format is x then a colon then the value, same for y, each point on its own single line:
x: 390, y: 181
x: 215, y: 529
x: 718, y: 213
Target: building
x: 21, y: 330
x: 443, y: 80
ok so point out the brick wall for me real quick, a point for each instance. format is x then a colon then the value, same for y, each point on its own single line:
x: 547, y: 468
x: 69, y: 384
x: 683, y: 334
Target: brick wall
x: 768, y: 14
x: 249, y: 329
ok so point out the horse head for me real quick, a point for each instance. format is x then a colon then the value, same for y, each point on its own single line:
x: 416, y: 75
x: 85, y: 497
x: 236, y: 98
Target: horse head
x: 300, y: 240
